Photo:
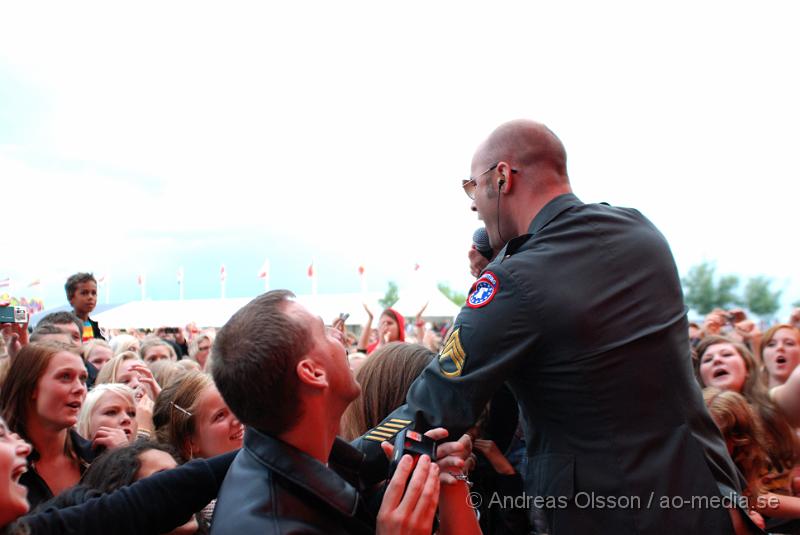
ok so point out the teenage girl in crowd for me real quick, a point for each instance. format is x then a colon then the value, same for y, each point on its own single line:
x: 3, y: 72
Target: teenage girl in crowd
x: 97, y: 352
x: 391, y: 328
x: 108, y: 416
x: 40, y: 401
x: 729, y: 365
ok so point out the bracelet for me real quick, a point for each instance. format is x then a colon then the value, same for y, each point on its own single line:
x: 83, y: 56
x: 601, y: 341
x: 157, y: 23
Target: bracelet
x: 462, y: 477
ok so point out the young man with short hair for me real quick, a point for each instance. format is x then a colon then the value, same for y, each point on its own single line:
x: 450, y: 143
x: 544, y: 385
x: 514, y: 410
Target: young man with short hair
x: 286, y: 377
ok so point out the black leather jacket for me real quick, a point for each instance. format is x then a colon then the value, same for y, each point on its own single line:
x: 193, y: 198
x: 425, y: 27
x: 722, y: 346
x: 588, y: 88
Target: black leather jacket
x: 272, y: 487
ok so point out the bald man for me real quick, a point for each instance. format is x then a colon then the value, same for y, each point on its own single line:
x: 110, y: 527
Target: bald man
x: 581, y: 314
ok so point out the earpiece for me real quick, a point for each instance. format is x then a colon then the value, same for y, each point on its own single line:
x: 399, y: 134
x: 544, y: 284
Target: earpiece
x: 500, y: 183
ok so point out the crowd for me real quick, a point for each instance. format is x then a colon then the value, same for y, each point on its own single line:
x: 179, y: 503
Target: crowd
x: 91, y: 416
x: 272, y: 421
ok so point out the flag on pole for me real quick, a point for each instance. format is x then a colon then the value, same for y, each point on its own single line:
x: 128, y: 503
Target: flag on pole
x: 313, y: 276
x: 5, y: 283
x: 363, y: 279
x: 140, y: 280
x: 264, y: 274
x: 34, y: 282
x: 222, y: 276
x: 416, y: 267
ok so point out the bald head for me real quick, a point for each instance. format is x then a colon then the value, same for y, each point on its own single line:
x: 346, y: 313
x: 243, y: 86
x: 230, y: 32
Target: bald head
x: 525, y: 143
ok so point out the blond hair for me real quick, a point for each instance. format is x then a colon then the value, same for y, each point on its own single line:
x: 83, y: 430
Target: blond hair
x: 94, y: 395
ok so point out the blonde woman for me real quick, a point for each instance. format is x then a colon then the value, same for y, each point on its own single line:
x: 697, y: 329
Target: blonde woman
x: 97, y: 352
x: 127, y: 368
x: 124, y: 342
x: 200, y: 348
x: 108, y: 416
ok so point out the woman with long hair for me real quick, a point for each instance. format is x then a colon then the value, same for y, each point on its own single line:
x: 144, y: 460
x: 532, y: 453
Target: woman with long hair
x: 40, y: 400
x: 729, y: 365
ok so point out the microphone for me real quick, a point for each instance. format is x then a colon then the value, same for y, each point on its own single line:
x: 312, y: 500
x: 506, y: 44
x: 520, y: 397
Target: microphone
x: 480, y: 241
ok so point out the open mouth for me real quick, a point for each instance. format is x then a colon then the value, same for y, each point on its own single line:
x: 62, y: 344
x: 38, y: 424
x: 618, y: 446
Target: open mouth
x: 18, y: 471
x: 780, y: 359
x: 238, y: 435
x: 720, y: 373
x: 74, y: 405
x: 127, y: 432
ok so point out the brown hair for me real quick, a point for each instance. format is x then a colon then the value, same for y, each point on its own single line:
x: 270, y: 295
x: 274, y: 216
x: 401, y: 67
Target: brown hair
x: 779, y: 437
x: 742, y: 431
x: 767, y: 338
x: 23, y: 376
x: 385, y: 378
x: 255, y: 355
x: 174, y: 412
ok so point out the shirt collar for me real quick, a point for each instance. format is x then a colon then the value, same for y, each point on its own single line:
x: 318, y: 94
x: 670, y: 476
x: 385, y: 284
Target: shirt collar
x: 305, y: 471
x: 551, y: 210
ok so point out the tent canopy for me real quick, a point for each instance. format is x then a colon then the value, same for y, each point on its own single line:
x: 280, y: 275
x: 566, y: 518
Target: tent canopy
x: 215, y: 312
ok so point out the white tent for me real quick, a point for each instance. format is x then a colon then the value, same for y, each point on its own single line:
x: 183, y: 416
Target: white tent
x: 215, y: 312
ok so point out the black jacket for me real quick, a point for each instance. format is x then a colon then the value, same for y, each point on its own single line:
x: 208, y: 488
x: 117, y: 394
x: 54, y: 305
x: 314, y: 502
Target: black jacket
x: 272, y: 487
x: 583, y: 317
x: 155, y: 504
x: 38, y: 491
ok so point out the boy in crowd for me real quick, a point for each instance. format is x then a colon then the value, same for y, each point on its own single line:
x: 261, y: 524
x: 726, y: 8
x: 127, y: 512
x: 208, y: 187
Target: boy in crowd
x: 81, y: 291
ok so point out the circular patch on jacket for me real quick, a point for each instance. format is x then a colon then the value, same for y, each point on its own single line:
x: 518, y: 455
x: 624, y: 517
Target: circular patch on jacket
x: 483, y: 290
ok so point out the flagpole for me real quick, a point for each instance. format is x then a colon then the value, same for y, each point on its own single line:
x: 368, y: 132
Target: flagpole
x: 363, y: 281
x: 222, y: 277
x: 180, y: 283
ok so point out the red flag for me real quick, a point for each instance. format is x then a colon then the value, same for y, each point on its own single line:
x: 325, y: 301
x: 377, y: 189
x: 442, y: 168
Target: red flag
x: 361, y: 271
x: 139, y: 280
x: 416, y: 267
x: 311, y: 270
x: 222, y: 274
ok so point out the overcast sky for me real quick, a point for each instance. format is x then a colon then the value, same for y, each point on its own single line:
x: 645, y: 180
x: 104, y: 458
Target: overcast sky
x: 145, y: 137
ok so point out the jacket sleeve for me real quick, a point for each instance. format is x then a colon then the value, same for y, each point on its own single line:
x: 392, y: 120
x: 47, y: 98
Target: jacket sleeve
x: 156, y: 504
x: 493, y: 335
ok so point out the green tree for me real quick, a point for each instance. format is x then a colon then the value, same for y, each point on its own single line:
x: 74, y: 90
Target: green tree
x: 391, y: 296
x: 703, y: 293
x: 456, y: 297
x: 758, y: 297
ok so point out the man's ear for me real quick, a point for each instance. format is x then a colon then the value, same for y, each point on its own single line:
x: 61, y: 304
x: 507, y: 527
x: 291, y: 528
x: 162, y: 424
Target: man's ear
x: 311, y: 373
x: 504, y: 180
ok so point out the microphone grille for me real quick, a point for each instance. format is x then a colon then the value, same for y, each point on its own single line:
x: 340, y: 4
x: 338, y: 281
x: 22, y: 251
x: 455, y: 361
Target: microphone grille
x: 481, y: 239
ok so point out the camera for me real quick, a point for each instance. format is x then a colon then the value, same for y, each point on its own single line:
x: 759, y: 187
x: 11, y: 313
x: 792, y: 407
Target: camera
x: 412, y: 443
x: 14, y: 314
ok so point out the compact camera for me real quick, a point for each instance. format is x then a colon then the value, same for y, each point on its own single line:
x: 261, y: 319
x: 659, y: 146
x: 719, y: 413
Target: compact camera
x: 412, y: 443
x: 13, y: 315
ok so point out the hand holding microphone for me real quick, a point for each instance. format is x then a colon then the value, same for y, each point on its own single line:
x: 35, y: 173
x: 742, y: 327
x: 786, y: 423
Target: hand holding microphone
x: 481, y: 253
